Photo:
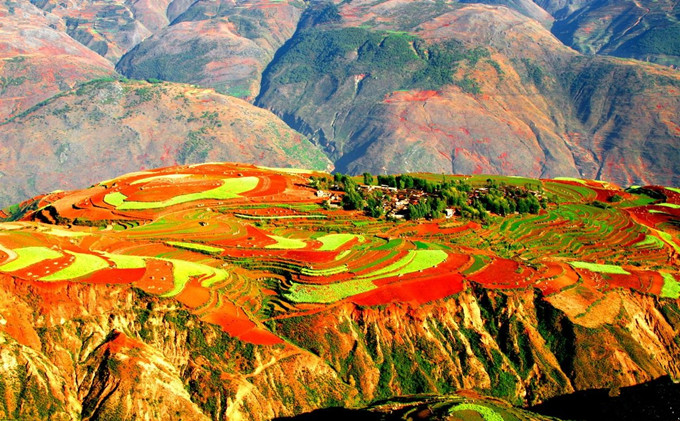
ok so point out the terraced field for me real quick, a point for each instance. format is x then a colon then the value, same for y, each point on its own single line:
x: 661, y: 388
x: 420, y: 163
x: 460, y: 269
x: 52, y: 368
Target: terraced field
x: 241, y: 246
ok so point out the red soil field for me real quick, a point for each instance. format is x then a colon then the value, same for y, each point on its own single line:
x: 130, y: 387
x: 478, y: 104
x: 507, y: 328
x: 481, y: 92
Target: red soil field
x: 194, y: 295
x: 158, y: 277
x: 310, y: 256
x: 235, y: 322
x: 418, y: 291
x: 270, y: 185
x: 662, y: 215
x: 247, y: 246
x: 652, y: 281
x: 116, y: 276
x: 503, y: 273
x: 419, y: 288
x: 563, y: 275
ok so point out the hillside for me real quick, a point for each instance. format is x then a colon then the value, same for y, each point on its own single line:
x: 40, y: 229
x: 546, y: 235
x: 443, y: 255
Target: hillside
x: 38, y: 59
x: 108, y: 126
x: 470, y: 89
x: 234, y: 291
x: 223, y: 45
x: 645, y: 30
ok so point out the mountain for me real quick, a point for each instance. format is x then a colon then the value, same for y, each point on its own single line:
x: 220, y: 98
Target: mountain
x: 107, y: 28
x: 109, y: 126
x: 384, y: 86
x: 242, y: 292
x: 38, y: 59
x: 645, y: 30
x: 470, y: 89
x: 225, y: 45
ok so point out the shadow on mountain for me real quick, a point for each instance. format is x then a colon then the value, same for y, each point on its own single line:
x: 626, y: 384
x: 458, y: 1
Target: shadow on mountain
x: 655, y: 400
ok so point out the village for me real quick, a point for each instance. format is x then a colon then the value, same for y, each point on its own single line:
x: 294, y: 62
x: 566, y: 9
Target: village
x: 397, y: 203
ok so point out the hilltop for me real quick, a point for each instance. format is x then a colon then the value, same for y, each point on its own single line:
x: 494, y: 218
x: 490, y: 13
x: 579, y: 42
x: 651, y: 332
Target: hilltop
x: 230, y: 290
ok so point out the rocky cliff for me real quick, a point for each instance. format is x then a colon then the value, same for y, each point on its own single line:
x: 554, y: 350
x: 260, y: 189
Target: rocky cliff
x: 107, y: 352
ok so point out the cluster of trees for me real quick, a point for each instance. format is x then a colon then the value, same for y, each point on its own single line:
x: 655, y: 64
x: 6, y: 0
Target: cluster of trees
x: 501, y: 204
x: 352, y: 200
x: 432, y: 207
x: 502, y: 199
x: 497, y: 198
x: 407, y: 182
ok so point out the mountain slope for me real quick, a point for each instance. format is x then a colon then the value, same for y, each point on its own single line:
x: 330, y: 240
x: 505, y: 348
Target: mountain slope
x: 393, y: 86
x: 223, y: 45
x: 38, y: 59
x: 645, y: 30
x: 470, y: 89
x: 106, y: 127
x: 110, y: 28
x: 244, y: 296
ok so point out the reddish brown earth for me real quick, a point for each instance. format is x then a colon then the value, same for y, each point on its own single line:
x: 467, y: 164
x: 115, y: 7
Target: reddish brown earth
x: 197, y: 306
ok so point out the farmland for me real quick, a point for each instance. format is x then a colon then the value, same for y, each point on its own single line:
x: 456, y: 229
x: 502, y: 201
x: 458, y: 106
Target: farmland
x: 260, y: 240
x: 256, y: 269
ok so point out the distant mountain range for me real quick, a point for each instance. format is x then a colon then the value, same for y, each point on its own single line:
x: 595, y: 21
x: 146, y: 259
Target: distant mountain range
x: 540, y: 89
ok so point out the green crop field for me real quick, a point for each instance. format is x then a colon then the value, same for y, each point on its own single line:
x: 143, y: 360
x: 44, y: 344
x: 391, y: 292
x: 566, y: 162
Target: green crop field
x: 29, y: 256
x: 600, y: 268
x: 324, y: 294
x: 324, y: 272
x: 183, y: 271
x: 486, y: 413
x: 123, y: 261
x: 671, y: 287
x: 335, y: 241
x: 286, y: 243
x: 83, y: 265
x: 670, y: 205
x: 231, y: 188
x: 414, y: 261
x: 650, y: 241
x: 196, y: 247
